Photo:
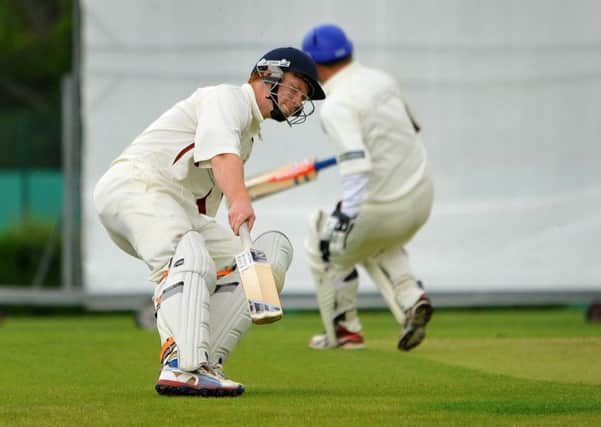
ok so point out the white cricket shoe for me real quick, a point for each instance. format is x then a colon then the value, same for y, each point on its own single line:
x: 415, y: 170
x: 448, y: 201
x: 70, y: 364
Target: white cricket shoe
x: 203, y: 382
x: 414, y: 330
x: 345, y: 339
x: 217, y: 369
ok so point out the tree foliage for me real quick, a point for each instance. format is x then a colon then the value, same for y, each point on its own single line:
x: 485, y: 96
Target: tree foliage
x: 35, y: 52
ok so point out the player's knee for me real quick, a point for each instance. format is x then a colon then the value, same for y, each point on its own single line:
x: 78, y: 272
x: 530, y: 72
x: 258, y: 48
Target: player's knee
x: 279, y: 253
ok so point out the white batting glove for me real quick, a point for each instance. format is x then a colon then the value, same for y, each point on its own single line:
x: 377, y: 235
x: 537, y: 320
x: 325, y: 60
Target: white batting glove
x: 333, y: 236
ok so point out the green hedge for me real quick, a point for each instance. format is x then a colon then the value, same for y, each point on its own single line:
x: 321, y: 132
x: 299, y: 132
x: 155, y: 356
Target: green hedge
x: 22, y: 249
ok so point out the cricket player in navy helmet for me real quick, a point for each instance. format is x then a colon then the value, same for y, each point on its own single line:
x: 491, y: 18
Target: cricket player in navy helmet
x: 159, y: 198
x: 387, y: 196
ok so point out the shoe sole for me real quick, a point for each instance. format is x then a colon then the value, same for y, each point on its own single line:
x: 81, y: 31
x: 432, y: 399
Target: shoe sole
x: 318, y: 347
x: 346, y: 346
x: 416, y: 332
x: 352, y: 346
x: 168, y: 388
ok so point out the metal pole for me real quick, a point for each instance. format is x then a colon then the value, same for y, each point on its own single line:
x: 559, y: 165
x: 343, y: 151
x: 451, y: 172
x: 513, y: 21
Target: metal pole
x: 71, y: 156
x: 68, y: 177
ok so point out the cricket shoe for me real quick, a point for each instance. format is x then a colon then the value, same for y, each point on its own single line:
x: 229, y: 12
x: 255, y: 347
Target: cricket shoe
x: 202, y: 382
x: 217, y: 369
x: 414, y: 330
x: 345, y: 339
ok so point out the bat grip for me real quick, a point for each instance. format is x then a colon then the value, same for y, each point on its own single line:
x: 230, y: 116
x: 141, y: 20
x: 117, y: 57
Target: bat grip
x: 245, y: 235
x: 325, y: 163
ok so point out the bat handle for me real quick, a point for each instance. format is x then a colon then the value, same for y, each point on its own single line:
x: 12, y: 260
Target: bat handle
x: 324, y: 163
x: 245, y: 235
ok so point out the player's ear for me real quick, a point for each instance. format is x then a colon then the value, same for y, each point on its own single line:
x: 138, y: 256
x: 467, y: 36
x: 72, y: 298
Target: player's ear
x: 254, y: 76
x: 258, y: 75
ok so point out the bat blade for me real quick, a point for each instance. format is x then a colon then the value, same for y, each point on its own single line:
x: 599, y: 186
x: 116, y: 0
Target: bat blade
x: 258, y: 283
x: 285, y: 177
x: 269, y: 186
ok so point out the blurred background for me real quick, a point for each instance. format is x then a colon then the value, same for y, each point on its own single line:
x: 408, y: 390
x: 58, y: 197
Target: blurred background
x: 507, y: 93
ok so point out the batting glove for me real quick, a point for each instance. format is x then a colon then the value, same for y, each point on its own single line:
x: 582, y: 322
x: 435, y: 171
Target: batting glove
x: 333, y: 236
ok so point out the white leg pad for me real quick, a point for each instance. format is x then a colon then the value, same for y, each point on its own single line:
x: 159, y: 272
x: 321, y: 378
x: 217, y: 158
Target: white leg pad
x: 337, y: 300
x: 229, y: 307
x: 336, y: 291
x: 345, y: 301
x: 325, y: 294
x: 324, y: 290
x: 230, y: 316
x: 184, y: 299
x: 279, y: 253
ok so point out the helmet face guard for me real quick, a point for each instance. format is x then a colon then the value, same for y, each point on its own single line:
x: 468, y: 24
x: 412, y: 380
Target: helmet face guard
x: 271, y: 69
x: 274, y: 76
x: 298, y: 116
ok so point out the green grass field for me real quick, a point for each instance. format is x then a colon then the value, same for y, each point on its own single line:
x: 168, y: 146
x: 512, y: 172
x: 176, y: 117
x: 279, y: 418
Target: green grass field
x: 477, y: 367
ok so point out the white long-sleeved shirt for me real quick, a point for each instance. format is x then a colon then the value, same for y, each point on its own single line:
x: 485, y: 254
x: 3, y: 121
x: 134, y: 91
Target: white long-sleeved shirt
x: 366, y: 117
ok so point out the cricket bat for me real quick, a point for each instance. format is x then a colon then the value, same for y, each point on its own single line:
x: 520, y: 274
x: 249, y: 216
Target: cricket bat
x: 257, y: 281
x: 286, y: 177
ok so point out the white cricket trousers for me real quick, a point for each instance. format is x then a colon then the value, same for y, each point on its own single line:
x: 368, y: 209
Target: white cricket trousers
x: 146, y: 214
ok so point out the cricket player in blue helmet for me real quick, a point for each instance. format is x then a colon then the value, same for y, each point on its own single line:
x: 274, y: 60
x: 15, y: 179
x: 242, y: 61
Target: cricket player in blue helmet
x: 387, y: 196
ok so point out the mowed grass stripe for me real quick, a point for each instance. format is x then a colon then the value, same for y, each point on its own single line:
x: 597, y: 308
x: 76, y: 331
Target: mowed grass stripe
x: 566, y: 360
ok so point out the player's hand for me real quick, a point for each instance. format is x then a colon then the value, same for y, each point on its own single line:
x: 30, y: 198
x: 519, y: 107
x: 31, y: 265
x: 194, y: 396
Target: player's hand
x: 241, y: 211
x: 333, y: 236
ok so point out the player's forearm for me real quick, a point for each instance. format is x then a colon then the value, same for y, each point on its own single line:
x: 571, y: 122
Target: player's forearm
x: 228, y: 171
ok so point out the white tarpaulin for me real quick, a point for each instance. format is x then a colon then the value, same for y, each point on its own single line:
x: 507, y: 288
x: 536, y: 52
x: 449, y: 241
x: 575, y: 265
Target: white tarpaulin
x: 508, y: 94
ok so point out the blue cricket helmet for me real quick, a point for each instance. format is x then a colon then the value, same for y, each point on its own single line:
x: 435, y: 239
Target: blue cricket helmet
x: 327, y: 43
x: 293, y: 60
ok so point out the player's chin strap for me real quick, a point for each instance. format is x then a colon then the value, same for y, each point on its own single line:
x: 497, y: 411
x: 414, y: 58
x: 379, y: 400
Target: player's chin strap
x: 276, y: 114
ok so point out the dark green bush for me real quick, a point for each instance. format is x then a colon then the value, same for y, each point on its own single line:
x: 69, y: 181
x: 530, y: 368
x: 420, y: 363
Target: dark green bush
x: 22, y: 249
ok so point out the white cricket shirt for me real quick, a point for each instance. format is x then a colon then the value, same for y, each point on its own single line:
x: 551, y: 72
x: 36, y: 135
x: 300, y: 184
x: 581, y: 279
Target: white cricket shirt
x: 365, y: 116
x: 177, y: 148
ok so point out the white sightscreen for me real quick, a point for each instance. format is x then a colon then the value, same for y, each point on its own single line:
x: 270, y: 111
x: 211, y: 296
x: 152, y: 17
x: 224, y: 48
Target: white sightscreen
x: 508, y: 94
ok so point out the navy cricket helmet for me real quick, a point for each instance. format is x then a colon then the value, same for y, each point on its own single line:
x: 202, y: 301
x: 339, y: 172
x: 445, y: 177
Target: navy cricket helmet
x: 293, y: 60
x: 327, y: 43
